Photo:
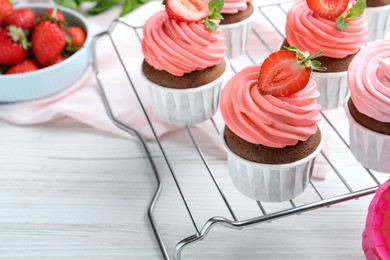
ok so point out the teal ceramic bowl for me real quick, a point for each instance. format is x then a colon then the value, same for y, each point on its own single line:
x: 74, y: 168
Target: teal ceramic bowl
x: 53, y: 79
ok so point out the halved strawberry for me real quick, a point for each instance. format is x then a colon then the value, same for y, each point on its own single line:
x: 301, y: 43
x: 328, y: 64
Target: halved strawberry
x: 187, y: 10
x: 286, y: 72
x: 328, y: 9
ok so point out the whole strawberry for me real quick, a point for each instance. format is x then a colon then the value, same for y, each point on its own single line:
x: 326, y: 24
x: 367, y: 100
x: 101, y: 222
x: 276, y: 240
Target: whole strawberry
x: 24, y: 66
x: 13, y: 44
x: 23, y: 18
x: 48, y: 40
x: 57, y: 14
x: 6, y: 8
x: 56, y: 60
x: 77, y: 36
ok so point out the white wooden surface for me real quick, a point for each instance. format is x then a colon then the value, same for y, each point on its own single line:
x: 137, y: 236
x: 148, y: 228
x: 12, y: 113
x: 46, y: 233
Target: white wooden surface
x: 68, y: 191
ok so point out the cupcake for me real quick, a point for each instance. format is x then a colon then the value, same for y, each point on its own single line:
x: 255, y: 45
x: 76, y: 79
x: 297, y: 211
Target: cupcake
x: 235, y: 26
x: 339, y: 33
x: 271, y: 134
x: 368, y: 108
x: 184, y: 61
x: 378, y: 16
x: 376, y: 235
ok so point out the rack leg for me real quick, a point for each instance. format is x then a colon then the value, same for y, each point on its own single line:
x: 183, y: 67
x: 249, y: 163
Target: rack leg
x: 203, y: 233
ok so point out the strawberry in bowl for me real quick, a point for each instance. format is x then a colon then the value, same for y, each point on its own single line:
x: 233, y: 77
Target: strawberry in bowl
x: 51, y: 59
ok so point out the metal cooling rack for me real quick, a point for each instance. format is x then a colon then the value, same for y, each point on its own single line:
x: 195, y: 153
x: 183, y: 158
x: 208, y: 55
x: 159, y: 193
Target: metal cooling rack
x: 231, y: 221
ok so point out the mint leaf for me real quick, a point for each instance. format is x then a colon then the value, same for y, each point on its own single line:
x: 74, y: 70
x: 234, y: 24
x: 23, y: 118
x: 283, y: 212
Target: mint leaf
x: 341, y: 23
x: 215, y: 7
x: 357, y: 9
x: 102, y: 6
x: 210, y: 24
x: 129, y: 5
x: 68, y: 3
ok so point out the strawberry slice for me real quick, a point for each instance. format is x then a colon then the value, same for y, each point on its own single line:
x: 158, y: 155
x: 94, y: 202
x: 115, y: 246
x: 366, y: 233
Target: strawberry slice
x: 286, y: 72
x: 328, y: 9
x: 187, y: 10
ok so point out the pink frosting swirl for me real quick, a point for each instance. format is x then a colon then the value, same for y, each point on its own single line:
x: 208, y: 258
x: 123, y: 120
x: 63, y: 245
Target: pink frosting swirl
x: 234, y: 6
x: 180, y: 47
x: 309, y: 32
x: 369, y: 80
x: 265, y: 119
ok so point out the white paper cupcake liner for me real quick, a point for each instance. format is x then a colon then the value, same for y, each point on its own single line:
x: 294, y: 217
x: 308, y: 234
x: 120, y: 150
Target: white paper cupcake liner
x: 186, y: 106
x: 370, y: 148
x: 333, y: 88
x: 236, y: 36
x: 378, y: 22
x: 270, y: 182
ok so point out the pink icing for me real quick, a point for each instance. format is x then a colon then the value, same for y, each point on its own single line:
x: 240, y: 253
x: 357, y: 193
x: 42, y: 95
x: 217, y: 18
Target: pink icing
x: 234, y: 6
x: 367, y: 80
x: 180, y: 47
x: 265, y: 119
x: 309, y: 32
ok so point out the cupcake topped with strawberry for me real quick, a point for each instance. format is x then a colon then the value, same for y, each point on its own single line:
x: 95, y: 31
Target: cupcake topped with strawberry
x: 182, y: 39
x: 338, y: 27
x: 272, y: 107
x: 271, y: 134
x: 184, y: 60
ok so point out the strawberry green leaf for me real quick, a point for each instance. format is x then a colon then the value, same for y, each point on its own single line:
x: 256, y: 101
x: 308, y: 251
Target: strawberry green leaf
x: 317, y: 65
x: 19, y: 36
x: 304, y: 58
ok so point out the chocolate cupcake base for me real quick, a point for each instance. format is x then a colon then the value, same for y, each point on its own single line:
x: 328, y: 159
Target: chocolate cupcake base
x: 270, y: 155
x: 370, y: 148
x: 188, y: 80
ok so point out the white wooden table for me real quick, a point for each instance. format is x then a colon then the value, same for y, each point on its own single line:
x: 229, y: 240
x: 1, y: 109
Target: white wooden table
x: 68, y: 191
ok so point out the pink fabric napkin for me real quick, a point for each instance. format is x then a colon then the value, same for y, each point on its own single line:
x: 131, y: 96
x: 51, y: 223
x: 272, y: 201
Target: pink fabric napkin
x: 82, y: 101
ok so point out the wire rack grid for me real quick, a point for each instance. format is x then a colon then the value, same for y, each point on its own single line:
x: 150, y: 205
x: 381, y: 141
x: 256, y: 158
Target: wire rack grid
x: 267, y: 33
